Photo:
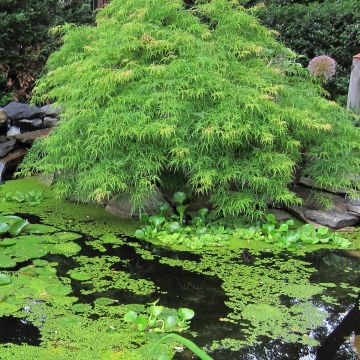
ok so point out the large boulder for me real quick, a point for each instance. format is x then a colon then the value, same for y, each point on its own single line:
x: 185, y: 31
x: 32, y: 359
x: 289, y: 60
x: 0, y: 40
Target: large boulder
x: 121, y: 205
x: 311, y: 211
x: 16, y: 111
x: 332, y: 219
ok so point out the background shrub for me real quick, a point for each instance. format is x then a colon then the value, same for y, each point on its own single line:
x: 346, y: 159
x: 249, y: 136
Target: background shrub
x: 312, y: 28
x: 203, y: 97
x: 24, y: 40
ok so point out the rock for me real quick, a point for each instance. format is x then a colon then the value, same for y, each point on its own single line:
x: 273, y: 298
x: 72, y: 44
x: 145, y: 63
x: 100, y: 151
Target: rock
x: 355, y: 209
x: 309, y: 201
x: 9, y: 163
x: 333, y: 219
x: 30, y: 137
x: 46, y: 180
x: 3, y: 117
x: 32, y: 122
x: 50, y: 122
x: 13, y: 130
x: 311, y: 183
x: 6, y: 147
x: 281, y: 215
x: 121, y: 206
x: 50, y: 110
x: 16, y: 111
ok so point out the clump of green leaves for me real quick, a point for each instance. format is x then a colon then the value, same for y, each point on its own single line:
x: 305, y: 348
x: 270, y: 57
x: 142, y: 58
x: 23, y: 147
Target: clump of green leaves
x: 159, y: 319
x: 206, y: 97
x: 169, y: 230
x: 34, y: 197
x: 286, y: 236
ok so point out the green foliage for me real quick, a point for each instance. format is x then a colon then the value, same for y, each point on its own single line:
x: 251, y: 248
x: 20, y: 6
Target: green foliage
x: 286, y: 237
x: 206, y: 97
x: 159, y: 319
x: 203, y: 231
x: 25, y: 43
x: 34, y: 197
x: 312, y: 28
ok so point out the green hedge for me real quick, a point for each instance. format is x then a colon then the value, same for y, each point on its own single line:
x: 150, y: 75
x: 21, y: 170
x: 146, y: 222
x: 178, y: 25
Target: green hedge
x: 24, y: 40
x: 312, y: 28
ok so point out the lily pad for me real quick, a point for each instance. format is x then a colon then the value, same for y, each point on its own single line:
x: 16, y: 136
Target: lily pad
x: 4, y: 279
x: 6, y: 262
x: 17, y: 227
x: 82, y: 276
x: 103, y: 301
x: 81, y: 308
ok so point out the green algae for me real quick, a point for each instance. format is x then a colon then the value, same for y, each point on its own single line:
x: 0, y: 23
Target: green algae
x: 97, y: 275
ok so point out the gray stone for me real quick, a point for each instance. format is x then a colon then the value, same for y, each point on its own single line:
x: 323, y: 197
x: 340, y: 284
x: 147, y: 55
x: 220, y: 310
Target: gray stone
x: 3, y: 117
x: 30, y: 137
x: 13, y: 130
x: 16, y: 111
x: 332, y: 219
x: 121, y: 206
x: 32, y: 122
x: 50, y: 110
x: 50, y: 122
x: 6, y: 147
x: 281, y: 215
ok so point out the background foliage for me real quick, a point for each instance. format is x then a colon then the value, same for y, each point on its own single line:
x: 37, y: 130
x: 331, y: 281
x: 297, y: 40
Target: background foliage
x: 202, y: 96
x: 24, y: 40
x: 317, y: 27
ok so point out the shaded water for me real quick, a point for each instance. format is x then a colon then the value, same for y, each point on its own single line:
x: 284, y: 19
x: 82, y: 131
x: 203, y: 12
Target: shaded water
x: 204, y: 294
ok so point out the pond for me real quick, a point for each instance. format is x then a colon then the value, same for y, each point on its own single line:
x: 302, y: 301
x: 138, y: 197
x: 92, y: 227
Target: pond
x: 72, y: 283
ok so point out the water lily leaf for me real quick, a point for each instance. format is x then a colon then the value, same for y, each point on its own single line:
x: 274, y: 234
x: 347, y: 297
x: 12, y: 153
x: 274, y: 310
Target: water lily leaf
x: 17, y: 227
x: 7, y: 242
x: 82, y: 276
x: 179, y: 197
x: 140, y: 234
x: 130, y: 316
x: 4, y: 279
x: 156, y: 220
x: 186, y: 313
x: 58, y: 290
x: 9, y: 219
x: 141, y: 322
x: 103, y: 301
x: 39, y: 229
x: 4, y: 228
x: 6, y: 262
x: 155, y: 310
x: 81, y: 308
x: 170, y: 322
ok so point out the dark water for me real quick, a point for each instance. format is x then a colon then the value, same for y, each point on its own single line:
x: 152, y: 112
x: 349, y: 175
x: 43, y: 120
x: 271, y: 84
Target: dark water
x: 205, y: 295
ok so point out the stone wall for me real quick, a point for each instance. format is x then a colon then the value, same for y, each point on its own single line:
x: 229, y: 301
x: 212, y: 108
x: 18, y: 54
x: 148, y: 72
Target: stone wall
x: 20, y: 125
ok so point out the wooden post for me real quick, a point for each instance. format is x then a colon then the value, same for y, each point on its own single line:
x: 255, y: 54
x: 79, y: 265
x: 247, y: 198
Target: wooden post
x: 353, y: 102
